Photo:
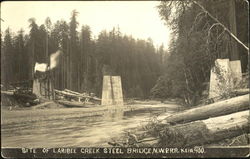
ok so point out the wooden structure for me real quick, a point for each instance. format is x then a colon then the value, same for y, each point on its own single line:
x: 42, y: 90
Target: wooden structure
x: 43, y: 85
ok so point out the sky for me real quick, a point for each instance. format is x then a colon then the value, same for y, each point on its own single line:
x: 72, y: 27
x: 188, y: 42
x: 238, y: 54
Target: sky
x: 137, y: 18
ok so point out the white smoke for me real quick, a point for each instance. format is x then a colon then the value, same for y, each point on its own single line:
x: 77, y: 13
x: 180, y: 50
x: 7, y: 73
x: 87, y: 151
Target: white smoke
x: 54, y: 60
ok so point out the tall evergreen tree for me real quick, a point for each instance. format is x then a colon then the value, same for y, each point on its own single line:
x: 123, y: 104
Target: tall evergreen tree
x: 74, y: 51
x: 83, y: 60
x: 84, y: 68
x: 7, y: 59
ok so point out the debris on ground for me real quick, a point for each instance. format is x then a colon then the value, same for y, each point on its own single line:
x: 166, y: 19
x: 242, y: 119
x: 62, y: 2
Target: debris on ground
x: 19, y: 97
x: 220, y: 123
x: 75, y: 99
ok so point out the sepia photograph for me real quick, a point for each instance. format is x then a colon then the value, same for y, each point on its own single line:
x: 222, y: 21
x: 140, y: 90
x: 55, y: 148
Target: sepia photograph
x: 125, y: 79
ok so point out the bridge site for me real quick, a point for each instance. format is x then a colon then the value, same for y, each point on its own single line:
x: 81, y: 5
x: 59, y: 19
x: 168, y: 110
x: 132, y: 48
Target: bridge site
x: 68, y: 89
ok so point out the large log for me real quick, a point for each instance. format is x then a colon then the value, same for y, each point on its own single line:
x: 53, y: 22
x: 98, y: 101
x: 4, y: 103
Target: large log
x: 206, y: 131
x: 239, y: 92
x: 7, y: 92
x: 72, y: 92
x: 232, y: 105
x: 42, y: 105
x: 67, y: 93
x: 75, y: 104
x: 74, y: 95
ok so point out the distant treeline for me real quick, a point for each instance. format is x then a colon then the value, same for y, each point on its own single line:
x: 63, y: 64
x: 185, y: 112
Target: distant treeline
x: 84, y: 60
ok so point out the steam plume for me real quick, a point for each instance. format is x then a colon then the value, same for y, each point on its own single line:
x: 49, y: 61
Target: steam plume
x: 54, y: 59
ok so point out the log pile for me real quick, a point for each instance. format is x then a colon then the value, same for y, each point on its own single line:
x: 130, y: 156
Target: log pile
x: 207, y: 124
x: 199, y: 126
x: 22, y: 96
x: 75, y: 99
x: 206, y: 131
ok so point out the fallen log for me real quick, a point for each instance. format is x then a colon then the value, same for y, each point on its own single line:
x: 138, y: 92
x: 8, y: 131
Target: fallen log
x: 42, y: 105
x: 74, y: 104
x: 67, y: 93
x: 72, y: 92
x: 212, y: 110
x: 81, y: 94
x: 205, y: 131
x: 7, y: 92
x: 241, y: 91
x: 72, y: 95
x: 95, y: 98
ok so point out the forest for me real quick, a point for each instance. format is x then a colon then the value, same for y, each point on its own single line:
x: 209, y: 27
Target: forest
x: 166, y: 101
x: 182, y: 71
x: 199, y: 41
x: 84, y: 60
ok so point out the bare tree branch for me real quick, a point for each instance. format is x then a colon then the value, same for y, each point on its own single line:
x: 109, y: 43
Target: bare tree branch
x: 195, y: 21
x: 222, y: 25
x: 209, y: 30
x: 220, y: 34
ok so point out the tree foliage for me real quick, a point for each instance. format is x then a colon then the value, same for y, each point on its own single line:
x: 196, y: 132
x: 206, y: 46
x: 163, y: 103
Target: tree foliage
x: 195, y: 45
x: 84, y: 59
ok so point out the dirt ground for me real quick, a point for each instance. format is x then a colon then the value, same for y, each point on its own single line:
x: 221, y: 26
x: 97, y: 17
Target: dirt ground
x: 15, y: 118
x: 54, y: 125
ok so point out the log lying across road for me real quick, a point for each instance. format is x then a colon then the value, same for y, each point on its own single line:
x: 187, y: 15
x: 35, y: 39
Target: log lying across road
x: 206, y: 131
x: 232, y: 105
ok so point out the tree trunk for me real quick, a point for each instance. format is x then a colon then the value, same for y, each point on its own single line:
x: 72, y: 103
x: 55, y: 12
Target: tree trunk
x: 203, y: 112
x: 234, y: 55
x: 206, y: 131
x: 68, y: 66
